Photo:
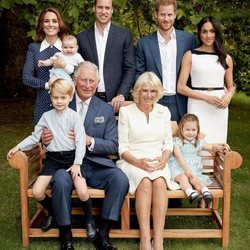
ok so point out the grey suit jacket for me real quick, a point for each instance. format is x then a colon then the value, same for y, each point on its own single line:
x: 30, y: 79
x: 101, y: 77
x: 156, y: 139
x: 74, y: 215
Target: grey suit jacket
x: 148, y: 58
x: 119, y: 60
x: 100, y: 123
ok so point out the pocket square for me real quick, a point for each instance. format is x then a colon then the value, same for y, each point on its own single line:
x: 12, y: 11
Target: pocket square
x: 99, y: 119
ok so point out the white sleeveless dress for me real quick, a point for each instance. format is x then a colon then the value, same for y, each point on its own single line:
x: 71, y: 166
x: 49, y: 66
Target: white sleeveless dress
x: 207, y: 72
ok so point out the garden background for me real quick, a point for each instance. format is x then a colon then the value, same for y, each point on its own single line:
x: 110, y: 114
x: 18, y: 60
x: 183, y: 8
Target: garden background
x: 18, y: 20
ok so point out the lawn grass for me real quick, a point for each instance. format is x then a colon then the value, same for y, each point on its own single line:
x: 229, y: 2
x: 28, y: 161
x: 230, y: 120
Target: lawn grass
x: 16, y: 123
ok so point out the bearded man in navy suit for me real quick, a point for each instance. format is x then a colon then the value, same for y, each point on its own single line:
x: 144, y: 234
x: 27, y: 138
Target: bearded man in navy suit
x: 111, y: 48
x: 162, y: 52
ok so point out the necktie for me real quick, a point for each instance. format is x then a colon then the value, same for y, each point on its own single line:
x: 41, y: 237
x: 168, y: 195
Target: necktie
x: 83, y: 110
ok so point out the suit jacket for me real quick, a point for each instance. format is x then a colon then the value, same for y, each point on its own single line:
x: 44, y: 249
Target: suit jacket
x: 100, y: 123
x: 148, y: 59
x: 119, y: 60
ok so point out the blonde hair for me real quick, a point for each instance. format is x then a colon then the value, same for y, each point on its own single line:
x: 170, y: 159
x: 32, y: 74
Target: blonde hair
x: 69, y: 38
x: 62, y: 86
x: 188, y: 118
x: 147, y: 78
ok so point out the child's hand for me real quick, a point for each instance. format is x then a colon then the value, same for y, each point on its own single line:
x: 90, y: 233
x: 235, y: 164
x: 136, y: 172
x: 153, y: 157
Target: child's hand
x: 223, y: 148
x: 40, y: 63
x: 189, y: 174
x: 12, y: 151
x: 75, y: 171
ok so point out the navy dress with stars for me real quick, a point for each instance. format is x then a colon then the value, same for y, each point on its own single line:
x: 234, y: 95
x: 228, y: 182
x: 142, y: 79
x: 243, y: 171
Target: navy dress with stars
x: 36, y: 77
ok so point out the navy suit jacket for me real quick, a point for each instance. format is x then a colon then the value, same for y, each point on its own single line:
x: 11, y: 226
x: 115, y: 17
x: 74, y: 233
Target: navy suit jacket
x: 119, y: 60
x: 148, y: 59
x: 100, y: 123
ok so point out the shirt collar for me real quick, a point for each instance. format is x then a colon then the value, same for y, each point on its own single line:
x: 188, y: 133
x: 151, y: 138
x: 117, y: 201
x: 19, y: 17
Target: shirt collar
x: 106, y: 29
x: 192, y: 142
x: 162, y: 40
x: 45, y: 44
x: 79, y: 100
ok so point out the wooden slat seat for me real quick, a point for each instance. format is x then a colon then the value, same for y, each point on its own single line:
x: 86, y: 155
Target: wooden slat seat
x: 30, y: 163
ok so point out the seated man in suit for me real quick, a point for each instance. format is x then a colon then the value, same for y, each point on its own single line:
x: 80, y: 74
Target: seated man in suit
x: 101, y: 172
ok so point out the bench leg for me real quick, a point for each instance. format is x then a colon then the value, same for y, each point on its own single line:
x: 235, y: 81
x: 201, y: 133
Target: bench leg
x: 24, y: 210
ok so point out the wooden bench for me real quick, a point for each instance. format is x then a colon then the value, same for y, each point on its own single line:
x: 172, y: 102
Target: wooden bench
x: 30, y: 163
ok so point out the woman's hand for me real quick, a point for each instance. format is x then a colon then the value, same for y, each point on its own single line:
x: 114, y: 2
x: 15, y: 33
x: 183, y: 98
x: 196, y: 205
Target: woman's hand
x: 59, y: 63
x: 75, y: 171
x: 226, y: 99
x: 214, y: 100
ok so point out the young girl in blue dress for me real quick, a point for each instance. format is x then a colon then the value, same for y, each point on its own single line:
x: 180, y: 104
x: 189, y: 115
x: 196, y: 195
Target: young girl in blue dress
x: 186, y: 165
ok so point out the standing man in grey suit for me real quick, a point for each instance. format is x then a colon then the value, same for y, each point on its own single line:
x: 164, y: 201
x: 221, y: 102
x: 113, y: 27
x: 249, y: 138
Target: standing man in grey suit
x: 111, y: 48
x: 162, y: 52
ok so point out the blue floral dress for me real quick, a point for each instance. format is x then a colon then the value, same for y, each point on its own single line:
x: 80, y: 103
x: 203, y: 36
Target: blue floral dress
x: 191, y: 157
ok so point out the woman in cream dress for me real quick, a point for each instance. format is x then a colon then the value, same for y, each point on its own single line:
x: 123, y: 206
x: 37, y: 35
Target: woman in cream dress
x: 145, y: 145
x: 209, y: 67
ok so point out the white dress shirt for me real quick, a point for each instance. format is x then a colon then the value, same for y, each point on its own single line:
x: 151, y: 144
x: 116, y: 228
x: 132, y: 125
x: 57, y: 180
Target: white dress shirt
x: 101, y: 42
x: 168, y: 52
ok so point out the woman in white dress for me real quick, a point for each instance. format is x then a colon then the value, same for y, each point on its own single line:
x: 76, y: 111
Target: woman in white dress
x: 145, y: 145
x: 211, y: 71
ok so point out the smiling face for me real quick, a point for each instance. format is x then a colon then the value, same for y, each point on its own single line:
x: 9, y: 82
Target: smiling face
x: 86, y: 82
x: 50, y: 24
x: 165, y: 17
x: 207, y: 34
x: 190, y: 130
x: 103, y: 10
x: 147, y: 95
x: 69, y: 47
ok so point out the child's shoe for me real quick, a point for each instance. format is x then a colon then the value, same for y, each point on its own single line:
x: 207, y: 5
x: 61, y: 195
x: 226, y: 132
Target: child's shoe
x: 207, y: 196
x: 195, y: 197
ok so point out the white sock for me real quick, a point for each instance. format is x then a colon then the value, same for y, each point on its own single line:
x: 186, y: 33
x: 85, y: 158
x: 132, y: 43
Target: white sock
x: 205, y: 189
x: 189, y: 191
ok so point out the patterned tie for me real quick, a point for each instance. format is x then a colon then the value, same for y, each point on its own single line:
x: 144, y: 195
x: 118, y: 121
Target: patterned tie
x: 83, y: 110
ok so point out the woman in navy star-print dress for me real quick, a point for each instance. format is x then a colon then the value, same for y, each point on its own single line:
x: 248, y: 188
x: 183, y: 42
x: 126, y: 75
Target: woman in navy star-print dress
x: 50, y: 30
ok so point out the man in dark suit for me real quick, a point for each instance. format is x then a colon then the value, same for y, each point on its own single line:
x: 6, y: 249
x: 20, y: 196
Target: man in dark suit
x: 111, y: 48
x: 99, y: 170
x: 162, y: 52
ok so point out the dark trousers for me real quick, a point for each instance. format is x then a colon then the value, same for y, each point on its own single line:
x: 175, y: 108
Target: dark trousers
x: 171, y: 103
x: 112, y: 180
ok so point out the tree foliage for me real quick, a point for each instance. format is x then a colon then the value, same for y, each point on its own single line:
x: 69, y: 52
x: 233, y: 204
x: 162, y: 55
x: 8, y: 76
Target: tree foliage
x: 138, y: 16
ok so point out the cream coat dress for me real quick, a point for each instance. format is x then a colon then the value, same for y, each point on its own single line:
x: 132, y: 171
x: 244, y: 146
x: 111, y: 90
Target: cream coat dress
x: 144, y: 140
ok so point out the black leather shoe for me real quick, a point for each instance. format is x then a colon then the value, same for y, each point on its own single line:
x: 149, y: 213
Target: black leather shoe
x: 91, y: 231
x: 104, y: 244
x: 47, y: 224
x: 68, y: 245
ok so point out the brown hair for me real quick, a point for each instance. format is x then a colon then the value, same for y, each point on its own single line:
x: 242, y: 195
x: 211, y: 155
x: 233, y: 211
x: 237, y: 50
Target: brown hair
x: 39, y: 29
x: 188, y: 118
x: 165, y: 2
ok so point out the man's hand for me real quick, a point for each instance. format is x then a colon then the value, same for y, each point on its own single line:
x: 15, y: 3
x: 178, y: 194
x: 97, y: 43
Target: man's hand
x: 46, y: 137
x: 117, y: 102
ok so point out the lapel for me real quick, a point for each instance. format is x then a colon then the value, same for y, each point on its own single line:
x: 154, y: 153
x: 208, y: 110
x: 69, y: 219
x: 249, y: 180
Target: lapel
x: 91, y: 113
x: 110, y: 41
x: 155, y: 50
x: 72, y: 104
x: 92, y: 43
x: 180, y: 49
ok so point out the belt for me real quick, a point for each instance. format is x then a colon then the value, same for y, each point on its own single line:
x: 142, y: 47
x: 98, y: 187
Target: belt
x: 102, y: 95
x: 208, y: 88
